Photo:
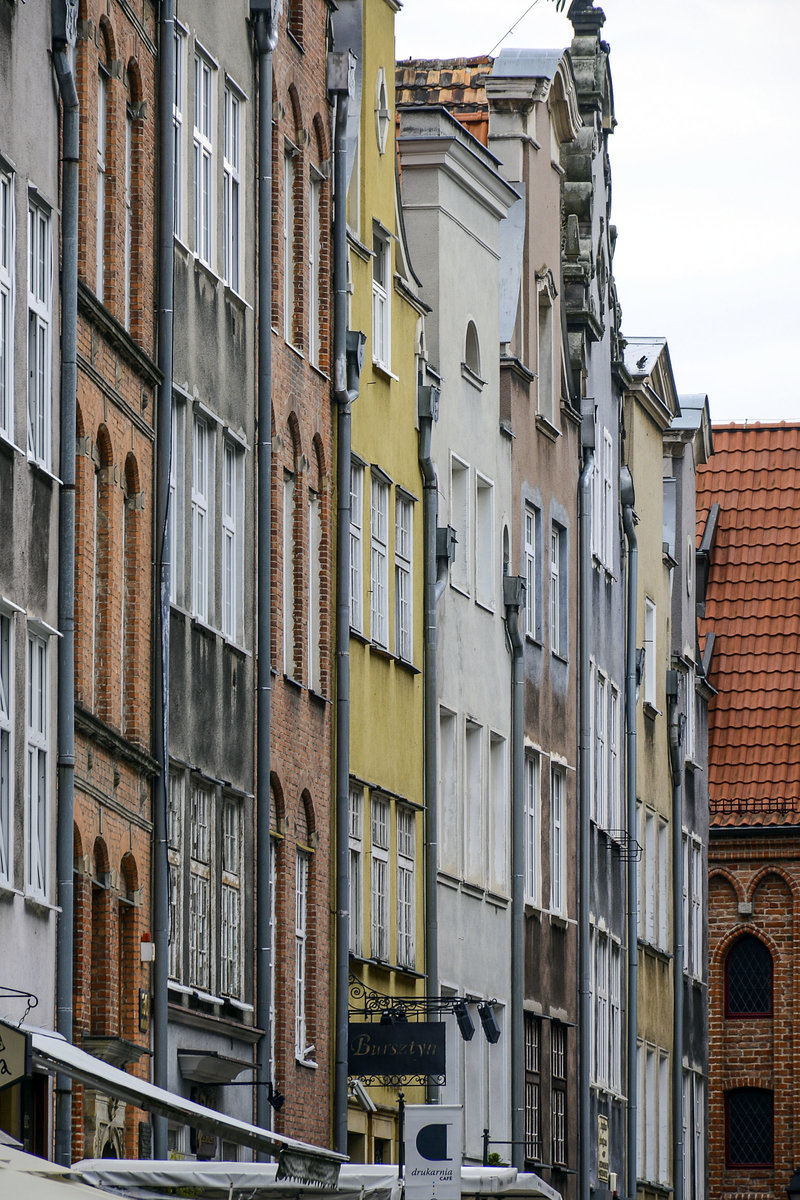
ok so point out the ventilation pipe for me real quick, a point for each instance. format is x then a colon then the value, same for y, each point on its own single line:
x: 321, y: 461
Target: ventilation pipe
x: 584, y: 800
x: 264, y: 14
x: 676, y: 721
x: 514, y: 598
x: 163, y: 558
x: 348, y: 356
x: 64, y: 15
x: 628, y: 499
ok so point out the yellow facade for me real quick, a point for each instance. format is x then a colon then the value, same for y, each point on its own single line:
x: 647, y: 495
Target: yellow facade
x: 386, y: 643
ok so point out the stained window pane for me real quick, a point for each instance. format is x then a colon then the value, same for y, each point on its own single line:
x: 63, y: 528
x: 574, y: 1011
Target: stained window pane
x: 749, y: 979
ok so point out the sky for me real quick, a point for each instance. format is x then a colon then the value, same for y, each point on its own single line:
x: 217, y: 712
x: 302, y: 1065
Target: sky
x: 705, y: 166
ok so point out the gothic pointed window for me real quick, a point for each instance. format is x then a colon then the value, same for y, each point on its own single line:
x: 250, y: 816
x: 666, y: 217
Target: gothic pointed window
x: 748, y: 979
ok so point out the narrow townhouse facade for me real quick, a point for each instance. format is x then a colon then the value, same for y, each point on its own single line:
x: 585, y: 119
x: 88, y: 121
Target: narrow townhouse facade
x: 29, y: 563
x: 454, y: 200
x: 115, y: 68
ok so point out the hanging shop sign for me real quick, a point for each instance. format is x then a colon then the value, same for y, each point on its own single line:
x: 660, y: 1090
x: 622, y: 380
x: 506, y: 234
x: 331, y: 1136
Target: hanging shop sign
x: 15, y: 1055
x: 403, y: 1048
x: 433, y: 1134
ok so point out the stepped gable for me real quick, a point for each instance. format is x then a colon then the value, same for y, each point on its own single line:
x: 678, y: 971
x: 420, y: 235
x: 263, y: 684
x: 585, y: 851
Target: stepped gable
x: 753, y: 608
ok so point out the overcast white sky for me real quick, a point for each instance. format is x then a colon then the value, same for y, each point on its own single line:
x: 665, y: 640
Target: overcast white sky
x: 706, y: 176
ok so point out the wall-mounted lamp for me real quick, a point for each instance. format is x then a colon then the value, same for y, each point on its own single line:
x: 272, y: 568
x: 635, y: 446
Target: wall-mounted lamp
x: 466, y: 1026
x: 275, y: 1098
x: 489, y: 1023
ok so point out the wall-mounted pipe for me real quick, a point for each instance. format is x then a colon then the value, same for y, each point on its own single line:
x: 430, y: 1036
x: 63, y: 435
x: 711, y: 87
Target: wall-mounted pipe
x: 265, y: 26
x: 62, y: 61
x: 585, y: 803
x: 628, y: 499
x: 513, y: 599
x: 163, y: 560
x: 675, y: 720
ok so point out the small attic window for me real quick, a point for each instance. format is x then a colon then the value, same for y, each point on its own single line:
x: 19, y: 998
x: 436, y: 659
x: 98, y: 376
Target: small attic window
x: 382, y: 114
x: 472, y: 350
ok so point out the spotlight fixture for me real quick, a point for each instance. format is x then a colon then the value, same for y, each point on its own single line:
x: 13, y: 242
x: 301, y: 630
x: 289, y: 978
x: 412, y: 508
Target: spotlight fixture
x: 489, y: 1023
x: 275, y: 1098
x: 465, y: 1024
x: 387, y: 1017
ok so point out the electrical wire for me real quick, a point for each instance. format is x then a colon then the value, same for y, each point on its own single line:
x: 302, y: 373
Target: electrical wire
x: 513, y: 27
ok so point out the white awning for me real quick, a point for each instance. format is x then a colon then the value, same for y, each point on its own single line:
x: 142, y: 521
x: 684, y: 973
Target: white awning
x: 52, y: 1053
x: 24, y: 1177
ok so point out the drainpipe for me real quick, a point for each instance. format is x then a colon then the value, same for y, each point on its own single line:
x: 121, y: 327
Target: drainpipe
x: 163, y: 559
x: 438, y: 546
x: 584, y: 799
x: 627, y: 497
x: 513, y: 598
x: 348, y: 354
x: 676, y: 764
x: 265, y: 17
x: 62, y: 61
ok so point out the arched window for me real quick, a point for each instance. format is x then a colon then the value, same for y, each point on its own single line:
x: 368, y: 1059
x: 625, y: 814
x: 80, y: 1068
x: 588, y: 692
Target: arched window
x: 128, y: 966
x: 748, y: 979
x: 472, y: 350
x: 100, y: 1000
x: 748, y: 1127
x: 104, y: 497
x: 132, y: 705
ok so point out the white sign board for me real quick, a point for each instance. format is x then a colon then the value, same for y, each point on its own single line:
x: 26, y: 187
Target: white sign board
x: 433, y: 1138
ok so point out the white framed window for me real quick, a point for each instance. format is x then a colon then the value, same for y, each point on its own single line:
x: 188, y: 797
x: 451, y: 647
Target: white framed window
x: 663, y: 884
x: 383, y: 114
x: 314, y: 247
x: 459, y: 519
x: 6, y: 745
x: 175, y: 800
x: 128, y: 241
x: 288, y: 575
x: 232, y: 540
x: 558, y: 1060
x: 615, y: 1029
x: 614, y: 781
x: 650, y: 695
x: 379, y: 896
x: 178, y: 105
x: 698, y: 1134
x: 381, y: 312
x: 177, y: 467
x: 314, y: 592
x: 356, y: 844
x: 379, y: 561
x: 556, y: 534
x: 475, y: 812
x: 696, y: 955
x: 357, y: 546
x: 531, y: 519
x: 38, y: 768
x: 498, y: 814
x: 450, y: 815
x: 532, y: 840
x: 174, y: 809
x: 174, y: 944
x: 485, y: 581
x: 608, y: 500
x: 690, y: 732
x: 203, y: 159
x: 202, y: 509
x: 7, y: 297
x: 300, y: 954
x: 289, y: 214
x: 600, y: 986
x: 533, y: 1116
x: 100, y: 219
x: 651, y: 1112
x: 200, y: 889
x: 230, y: 931
x: 40, y: 334
x: 546, y: 383
x: 685, y: 902
x: 558, y: 844
x: 663, y: 1117
x: 600, y: 780
x: 232, y: 189
x: 403, y: 582
x: 406, y: 834
x: 649, y: 891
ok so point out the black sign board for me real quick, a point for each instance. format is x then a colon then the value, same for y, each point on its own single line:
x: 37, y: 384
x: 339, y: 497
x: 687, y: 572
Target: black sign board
x: 403, y: 1048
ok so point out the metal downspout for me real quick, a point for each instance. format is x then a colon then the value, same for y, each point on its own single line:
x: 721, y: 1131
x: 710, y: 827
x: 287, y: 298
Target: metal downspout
x: 266, y: 36
x: 163, y: 559
x: 513, y: 598
x: 66, y: 583
x: 584, y: 802
x: 628, y: 499
x: 676, y: 765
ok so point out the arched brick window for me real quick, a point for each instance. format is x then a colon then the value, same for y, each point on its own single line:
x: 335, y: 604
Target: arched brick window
x: 748, y: 1127
x: 304, y: 931
x: 748, y: 979
x: 132, y: 203
x: 102, y: 995
x: 127, y: 970
x: 104, y: 542
x: 133, y: 698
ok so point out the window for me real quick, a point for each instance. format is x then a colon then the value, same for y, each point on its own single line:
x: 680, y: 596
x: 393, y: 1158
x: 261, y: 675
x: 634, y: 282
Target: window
x: 7, y: 263
x: 664, y: 891
x: 6, y: 746
x: 546, y: 371
x: 685, y: 899
x: 314, y: 246
x: 531, y: 830
x: 698, y: 1136
x: 383, y: 115
x: 38, y: 746
x: 356, y: 842
x: 176, y: 500
x: 128, y: 241
x: 698, y: 908
x: 648, y: 890
x: 533, y: 1117
x: 599, y: 792
x: 203, y: 160
x: 616, y: 1034
x: 603, y: 498
x: 288, y: 576
x: 472, y: 350
x: 200, y: 889
x: 356, y: 546
x: 650, y: 695
x: 102, y: 128
x: 531, y: 551
x: 558, y: 589
x: 314, y: 592
x: 289, y: 292
x: 301, y: 1046
x: 474, y: 815
x: 606, y: 802
x: 202, y: 508
x: 403, y: 595
x: 405, y: 887
x: 651, y: 1113
x: 379, y: 559
x: 689, y: 734
x: 459, y: 519
x: 663, y: 1117
x: 381, y: 327
x: 748, y: 1128
x: 232, y: 540
x: 231, y: 190
x: 177, y: 123
x: 174, y: 845
x: 40, y: 283
x: 231, y: 907
x: 614, y: 790
x: 485, y: 582
x: 380, y: 878
x: 748, y: 979
x: 449, y: 799
x: 498, y: 815
x: 557, y: 842
x: 607, y: 1025
x: 559, y: 1094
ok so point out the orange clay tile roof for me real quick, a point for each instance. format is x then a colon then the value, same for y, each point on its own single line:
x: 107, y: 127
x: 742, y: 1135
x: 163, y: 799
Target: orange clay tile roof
x: 753, y: 608
x: 457, y: 84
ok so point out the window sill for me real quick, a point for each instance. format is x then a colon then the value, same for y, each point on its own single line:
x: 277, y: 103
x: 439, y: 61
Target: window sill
x: 535, y: 639
x: 562, y: 658
x: 8, y: 447
x: 236, y: 299
x: 654, y: 951
x: 204, y: 268
x: 308, y: 1063
x: 202, y: 626
x: 235, y: 647
x: 40, y: 469
x: 472, y: 378
x: 298, y: 354
x: 546, y: 426
x: 8, y: 891
x: 381, y: 369
x: 559, y: 920
x: 405, y: 663
x: 318, y: 697
x: 381, y: 651
x: 385, y: 965
x: 457, y: 587
x: 359, y: 636
x: 650, y: 710
x: 319, y: 371
x: 39, y: 905
x: 486, y: 605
